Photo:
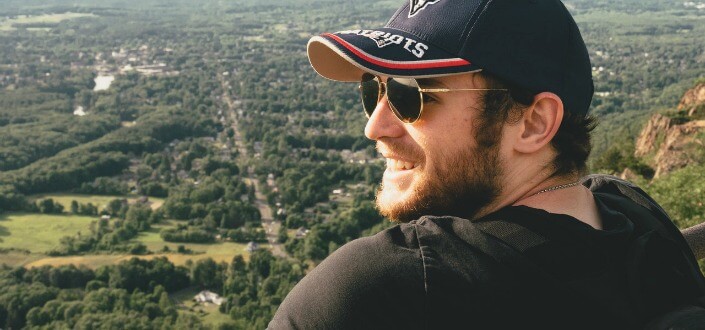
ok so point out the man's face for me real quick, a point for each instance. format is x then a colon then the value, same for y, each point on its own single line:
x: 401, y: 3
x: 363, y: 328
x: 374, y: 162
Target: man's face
x: 435, y: 166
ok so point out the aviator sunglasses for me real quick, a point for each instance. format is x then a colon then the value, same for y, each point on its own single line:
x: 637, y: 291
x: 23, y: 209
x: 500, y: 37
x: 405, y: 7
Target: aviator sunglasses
x: 404, y: 95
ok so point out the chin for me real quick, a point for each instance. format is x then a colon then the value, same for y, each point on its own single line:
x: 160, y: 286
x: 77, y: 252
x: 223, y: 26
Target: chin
x: 398, y: 205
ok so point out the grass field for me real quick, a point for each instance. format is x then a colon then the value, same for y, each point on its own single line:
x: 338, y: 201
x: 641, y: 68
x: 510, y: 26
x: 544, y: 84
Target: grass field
x: 223, y: 253
x: 39, y: 233
x: 219, y: 252
x: 90, y: 261
x: 6, y: 25
x: 19, y: 258
x: 100, y: 201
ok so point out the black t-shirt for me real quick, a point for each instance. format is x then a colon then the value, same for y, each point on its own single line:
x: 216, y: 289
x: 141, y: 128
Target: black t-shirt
x: 430, y: 274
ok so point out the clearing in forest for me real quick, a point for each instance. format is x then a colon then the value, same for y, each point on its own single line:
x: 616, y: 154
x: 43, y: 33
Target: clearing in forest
x: 8, y: 24
x: 100, y: 201
x: 39, y: 233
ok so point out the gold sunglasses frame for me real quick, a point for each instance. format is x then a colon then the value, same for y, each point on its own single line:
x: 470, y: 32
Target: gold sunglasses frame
x: 382, y: 89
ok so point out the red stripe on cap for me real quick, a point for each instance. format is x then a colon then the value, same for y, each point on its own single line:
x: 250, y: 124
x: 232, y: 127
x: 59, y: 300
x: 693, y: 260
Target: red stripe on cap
x: 396, y: 65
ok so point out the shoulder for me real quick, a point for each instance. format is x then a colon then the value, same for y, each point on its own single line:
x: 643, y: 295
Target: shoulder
x: 359, y: 285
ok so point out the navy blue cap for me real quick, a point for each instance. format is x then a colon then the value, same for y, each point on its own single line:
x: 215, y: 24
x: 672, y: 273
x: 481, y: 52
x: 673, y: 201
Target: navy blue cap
x: 534, y: 44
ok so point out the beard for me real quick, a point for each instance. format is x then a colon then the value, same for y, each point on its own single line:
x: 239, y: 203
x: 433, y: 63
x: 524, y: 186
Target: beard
x: 461, y: 185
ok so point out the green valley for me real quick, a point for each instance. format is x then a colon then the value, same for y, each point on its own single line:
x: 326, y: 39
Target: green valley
x: 151, y: 150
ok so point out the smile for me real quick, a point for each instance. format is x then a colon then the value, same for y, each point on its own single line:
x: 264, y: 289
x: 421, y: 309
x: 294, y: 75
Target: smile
x: 400, y: 165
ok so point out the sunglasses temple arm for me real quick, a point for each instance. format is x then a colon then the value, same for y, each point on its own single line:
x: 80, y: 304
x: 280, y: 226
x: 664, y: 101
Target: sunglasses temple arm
x: 444, y: 90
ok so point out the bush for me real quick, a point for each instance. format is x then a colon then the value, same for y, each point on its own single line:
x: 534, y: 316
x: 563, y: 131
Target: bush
x: 138, y: 248
x: 187, y: 236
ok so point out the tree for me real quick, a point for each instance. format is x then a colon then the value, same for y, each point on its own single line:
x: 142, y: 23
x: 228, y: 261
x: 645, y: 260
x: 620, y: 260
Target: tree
x: 282, y: 236
x: 74, y: 207
x: 206, y: 274
x: 88, y: 209
x: 260, y: 262
x: 48, y: 206
x: 115, y: 207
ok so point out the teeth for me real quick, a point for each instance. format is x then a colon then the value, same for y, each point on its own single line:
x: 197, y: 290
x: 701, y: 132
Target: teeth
x: 399, y: 165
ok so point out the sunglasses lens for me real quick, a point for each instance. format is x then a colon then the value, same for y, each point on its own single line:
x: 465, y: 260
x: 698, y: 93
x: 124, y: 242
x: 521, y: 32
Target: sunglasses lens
x: 405, y: 99
x: 369, y: 92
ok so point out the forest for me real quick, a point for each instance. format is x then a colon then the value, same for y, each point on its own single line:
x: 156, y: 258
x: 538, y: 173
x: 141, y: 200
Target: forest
x: 213, y: 119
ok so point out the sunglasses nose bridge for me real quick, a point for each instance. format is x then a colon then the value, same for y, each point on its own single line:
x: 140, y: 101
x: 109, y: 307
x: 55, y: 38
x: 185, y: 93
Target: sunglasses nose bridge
x: 381, y: 89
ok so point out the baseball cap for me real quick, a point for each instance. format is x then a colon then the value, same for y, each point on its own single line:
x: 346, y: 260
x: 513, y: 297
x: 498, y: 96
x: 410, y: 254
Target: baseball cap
x: 533, y: 44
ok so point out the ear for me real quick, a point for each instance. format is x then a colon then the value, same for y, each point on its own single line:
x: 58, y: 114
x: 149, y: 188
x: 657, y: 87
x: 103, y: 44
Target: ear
x: 539, y: 123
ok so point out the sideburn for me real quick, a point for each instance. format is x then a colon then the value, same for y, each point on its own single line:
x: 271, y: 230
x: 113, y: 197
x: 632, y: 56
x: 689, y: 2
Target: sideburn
x: 496, y: 111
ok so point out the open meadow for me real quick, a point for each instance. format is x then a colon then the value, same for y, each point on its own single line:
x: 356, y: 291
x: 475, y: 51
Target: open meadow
x: 39, y: 233
x: 219, y: 252
x: 100, y: 201
x: 26, y: 237
x: 9, y: 24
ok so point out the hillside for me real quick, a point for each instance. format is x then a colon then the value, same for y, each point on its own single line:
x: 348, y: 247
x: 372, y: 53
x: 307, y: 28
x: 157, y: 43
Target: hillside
x: 668, y: 159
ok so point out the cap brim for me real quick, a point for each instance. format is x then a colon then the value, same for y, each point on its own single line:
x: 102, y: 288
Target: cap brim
x: 346, y: 55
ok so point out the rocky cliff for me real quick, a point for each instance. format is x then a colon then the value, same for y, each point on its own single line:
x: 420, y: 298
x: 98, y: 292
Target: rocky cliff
x: 693, y: 101
x: 674, y: 140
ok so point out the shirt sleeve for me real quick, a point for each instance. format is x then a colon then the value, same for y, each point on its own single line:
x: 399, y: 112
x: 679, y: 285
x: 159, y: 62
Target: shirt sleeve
x: 370, y: 283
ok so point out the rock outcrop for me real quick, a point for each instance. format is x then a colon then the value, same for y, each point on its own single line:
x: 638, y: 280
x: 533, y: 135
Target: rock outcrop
x: 670, y: 142
x: 657, y: 127
x: 693, y: 100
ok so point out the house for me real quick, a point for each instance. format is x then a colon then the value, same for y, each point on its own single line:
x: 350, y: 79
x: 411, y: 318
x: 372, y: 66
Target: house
x: 105, y: 217
x: 301, y: 232
x: 206, y: 296
x: 252, y: 247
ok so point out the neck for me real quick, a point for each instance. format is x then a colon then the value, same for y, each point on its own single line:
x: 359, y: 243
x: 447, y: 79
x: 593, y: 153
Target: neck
x: 555, y: 194
x: 526, y: 183
x: 564, y: 195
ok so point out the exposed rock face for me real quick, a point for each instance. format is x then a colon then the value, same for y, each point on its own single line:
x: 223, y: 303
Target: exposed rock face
x: 646, y: 143
x: 680, y: 148
x: 692, y: 98
x: 667, y: 144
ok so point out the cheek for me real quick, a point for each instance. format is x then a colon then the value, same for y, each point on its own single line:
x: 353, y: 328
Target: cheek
x: 445, y: 132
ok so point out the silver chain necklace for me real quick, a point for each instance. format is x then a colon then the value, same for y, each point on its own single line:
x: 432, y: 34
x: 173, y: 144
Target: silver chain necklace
x: 562, y: 186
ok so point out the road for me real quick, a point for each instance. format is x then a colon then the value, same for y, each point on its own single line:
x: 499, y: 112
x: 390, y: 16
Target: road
x: 271, y: 226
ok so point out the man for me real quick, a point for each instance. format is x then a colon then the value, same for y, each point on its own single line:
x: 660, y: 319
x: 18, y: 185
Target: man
x: 480, y: 108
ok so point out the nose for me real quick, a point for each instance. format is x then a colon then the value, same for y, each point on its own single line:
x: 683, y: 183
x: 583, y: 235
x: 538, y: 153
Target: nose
x: 383, y: 122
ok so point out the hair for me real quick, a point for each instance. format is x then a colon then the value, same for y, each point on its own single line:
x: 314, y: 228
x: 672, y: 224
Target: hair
x: 571, y: 142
